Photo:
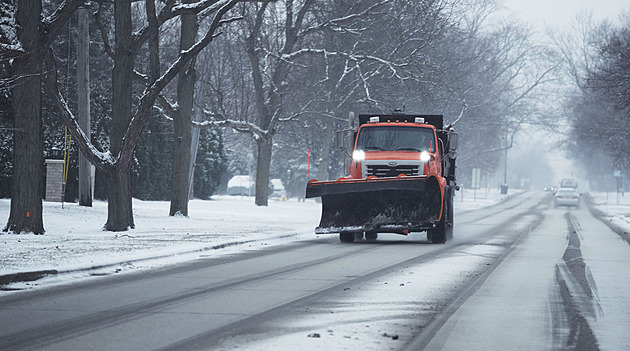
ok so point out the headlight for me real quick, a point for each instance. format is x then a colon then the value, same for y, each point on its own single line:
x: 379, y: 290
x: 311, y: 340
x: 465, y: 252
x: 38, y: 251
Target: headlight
x: 358, y: 155
x: 424, y: 156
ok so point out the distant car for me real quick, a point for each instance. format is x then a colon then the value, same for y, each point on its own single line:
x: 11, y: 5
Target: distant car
x: 567, y: 197
x: 241, y: 185
x: 568, y: 183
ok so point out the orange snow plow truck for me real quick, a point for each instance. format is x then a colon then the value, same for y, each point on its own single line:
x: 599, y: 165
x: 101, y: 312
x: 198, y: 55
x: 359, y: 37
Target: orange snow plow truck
x: 401, y: 179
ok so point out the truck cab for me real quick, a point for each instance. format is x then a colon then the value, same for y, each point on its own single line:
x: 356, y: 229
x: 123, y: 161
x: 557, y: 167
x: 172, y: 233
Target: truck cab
x: 391, y: 149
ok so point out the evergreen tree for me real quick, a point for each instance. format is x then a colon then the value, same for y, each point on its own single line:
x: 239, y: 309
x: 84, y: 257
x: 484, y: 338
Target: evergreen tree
x: 151, y: 171
x: 210, y: 164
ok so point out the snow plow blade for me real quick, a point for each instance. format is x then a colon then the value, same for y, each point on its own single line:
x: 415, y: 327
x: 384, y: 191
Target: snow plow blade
x: 392, y: 205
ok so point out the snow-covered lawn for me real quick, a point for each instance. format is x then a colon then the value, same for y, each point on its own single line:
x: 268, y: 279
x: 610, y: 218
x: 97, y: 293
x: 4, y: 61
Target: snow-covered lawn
x: 616, y: 206
x: 74, y: 237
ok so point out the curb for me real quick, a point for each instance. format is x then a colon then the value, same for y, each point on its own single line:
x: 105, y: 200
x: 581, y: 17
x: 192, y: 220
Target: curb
x: 25, y: 277
x: 31, y: 276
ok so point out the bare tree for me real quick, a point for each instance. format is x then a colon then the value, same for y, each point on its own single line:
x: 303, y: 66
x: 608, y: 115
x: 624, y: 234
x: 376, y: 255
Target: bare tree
x: 611, y: 77
x: 490, y: 81
x: 593, y: 57
x: 269, y: 94
x: 128, y: 125
x: 370, y: 55
x: 484, y: 78
x: 182, y: 120
x: 265, y: 43
x: 600, y: 104
x: 35, y: 33
x: 276, y: 39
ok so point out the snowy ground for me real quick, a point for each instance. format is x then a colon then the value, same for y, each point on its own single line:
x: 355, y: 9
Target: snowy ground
x: 74, y: 239
x: 75, y: 242
x: 617, y: 207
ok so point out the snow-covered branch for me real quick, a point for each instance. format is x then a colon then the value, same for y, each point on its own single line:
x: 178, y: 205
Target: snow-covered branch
x: 219, y: 120
x: 103, y: 160
x: 10, y: 46
x: 336, y: 24
x: 152, y: 92
x: 393, y: 67
x: 54, y: 23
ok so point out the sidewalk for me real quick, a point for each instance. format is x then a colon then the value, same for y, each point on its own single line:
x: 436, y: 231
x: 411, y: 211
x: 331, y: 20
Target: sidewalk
x: 613, y: 210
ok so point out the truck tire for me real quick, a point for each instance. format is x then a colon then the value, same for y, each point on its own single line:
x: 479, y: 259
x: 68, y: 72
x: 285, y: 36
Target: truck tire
x: 450, y: 219
x: 443, y: 231
x: 437, y: 235
x: 346, y: 237
x: 371, y: 235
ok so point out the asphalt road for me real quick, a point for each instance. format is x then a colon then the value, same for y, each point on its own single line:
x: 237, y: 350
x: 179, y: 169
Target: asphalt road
x: 511, y: 275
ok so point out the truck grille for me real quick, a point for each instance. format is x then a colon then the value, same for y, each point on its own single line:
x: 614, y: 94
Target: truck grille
x: 388, y: 171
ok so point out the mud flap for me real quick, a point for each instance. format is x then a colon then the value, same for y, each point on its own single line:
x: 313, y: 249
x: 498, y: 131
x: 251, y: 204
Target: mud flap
x: 395, y: 205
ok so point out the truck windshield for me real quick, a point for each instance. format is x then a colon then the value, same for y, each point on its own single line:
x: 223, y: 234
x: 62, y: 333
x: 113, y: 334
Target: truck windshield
x: 396, y: 139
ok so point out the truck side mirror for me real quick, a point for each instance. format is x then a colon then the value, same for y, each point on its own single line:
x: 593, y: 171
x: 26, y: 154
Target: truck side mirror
x: 339, y: 136
x: 452, y: 145
x: 452, y: 142
x: 342, y: 141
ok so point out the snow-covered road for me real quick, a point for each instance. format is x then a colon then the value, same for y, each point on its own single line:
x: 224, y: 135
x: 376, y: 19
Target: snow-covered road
x: 512, y: 307
x: 520, y: 275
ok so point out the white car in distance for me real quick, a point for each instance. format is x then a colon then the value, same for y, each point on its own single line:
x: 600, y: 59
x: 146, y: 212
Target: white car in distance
x: 569, y: 197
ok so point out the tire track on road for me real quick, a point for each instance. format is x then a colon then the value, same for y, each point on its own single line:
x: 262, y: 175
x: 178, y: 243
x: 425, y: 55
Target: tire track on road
x: 525, y: 221
x: 532, y: 218
x: 61, y: 330
x: 575, y: 286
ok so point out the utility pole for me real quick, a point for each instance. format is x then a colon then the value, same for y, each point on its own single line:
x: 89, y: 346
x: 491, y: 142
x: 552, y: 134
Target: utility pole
x: 505, y: 167
x: 86, y: 170
x: 194, y: 143
x: 504, y: 186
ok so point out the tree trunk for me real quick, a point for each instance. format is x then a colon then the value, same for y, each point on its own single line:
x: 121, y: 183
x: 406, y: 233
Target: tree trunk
x: 120, y: 216
x: 86, y: 175
x: 263, y: 164
x: 182, y: 123
x: 193, y: 156
x: 28, y: 160
x: 120, y: 213
x: 181, y: 165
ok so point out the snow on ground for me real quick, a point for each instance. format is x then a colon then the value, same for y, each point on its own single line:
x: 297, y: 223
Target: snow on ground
x: 74, y: 239
x: 615, y: 205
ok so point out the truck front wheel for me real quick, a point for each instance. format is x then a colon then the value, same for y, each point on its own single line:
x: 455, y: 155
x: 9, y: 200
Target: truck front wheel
x: 437, y: 235
x: 443, y: 231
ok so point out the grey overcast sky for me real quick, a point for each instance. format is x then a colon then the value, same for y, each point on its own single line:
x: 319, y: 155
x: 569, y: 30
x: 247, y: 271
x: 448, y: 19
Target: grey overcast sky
x: 561, y: 13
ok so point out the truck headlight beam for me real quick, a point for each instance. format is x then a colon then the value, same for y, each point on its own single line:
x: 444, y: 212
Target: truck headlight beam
x: 358, y: 155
